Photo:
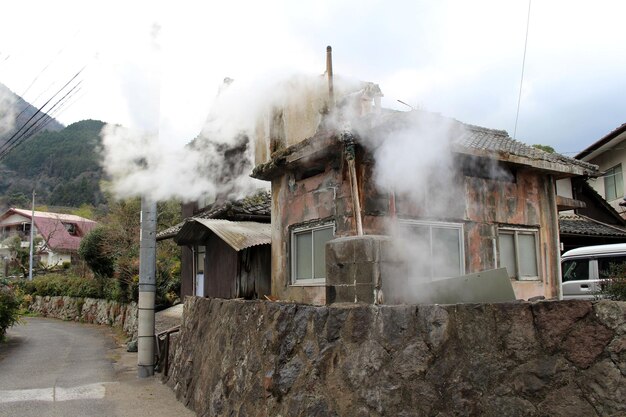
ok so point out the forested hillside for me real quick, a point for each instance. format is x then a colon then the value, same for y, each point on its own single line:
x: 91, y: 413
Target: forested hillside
x: 63, y: 166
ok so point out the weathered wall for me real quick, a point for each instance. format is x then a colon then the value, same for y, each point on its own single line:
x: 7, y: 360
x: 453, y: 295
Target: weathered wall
x: 255, y: 358
x: 481, y: 205
x: 529, y: 201
x: 89, y: 310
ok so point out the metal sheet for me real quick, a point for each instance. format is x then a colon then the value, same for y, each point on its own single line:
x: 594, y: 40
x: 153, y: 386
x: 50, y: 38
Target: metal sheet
x: 238, y: 235
x: 493, y: 286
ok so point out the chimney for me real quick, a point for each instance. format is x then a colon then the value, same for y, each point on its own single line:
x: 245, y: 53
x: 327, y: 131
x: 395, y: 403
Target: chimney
x: 329, y: 73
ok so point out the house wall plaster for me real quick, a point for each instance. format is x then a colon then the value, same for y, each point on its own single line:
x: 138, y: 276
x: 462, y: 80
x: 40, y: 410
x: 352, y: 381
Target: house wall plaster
x: 256, y: 358
x: 14, y: 219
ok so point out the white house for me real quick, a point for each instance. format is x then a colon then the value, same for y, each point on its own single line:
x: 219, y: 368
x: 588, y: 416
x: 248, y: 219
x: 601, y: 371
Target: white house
x: 60, y: 234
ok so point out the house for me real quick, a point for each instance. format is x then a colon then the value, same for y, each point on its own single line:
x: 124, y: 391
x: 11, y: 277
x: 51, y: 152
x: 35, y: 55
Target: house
x: 498, y: 209
x: 59, y: 234
x: 609, y: 153
x: 225, y: 248
x: 591, y: 220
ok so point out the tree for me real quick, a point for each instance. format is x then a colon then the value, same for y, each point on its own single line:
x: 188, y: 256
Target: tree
x: 112, y: 250
x: 19, y: 255
x: 93, y: 250
x: 545, y: 148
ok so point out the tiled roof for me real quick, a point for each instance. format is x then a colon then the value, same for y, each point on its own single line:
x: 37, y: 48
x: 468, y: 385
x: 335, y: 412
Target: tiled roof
x: 257, y: 205
x: 575, y: 224
x: 499, y: 141
x: 477, y: 140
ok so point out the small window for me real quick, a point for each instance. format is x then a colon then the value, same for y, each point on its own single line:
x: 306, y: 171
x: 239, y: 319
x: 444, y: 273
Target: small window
x: 308, y: 254
x: 436, y: 247
x: 200, y: 252
x: 71, y: 228
x: 575, y: 270
x: 613, y: 183
x: 518, y: 253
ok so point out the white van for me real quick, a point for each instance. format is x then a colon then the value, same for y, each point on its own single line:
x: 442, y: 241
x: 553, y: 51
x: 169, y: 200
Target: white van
x: 583, y: 269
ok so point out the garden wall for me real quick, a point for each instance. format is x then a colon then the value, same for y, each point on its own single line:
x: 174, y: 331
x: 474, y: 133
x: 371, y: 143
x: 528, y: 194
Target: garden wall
x: 88, y: 310
x: 257, y: 358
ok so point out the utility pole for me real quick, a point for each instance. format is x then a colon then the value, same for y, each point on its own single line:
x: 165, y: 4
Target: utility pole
x: 147, y: 289
x: 32, y: 239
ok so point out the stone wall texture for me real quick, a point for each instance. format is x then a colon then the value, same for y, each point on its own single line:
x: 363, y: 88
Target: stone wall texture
x: 256, y: 358
x: 89, y: 310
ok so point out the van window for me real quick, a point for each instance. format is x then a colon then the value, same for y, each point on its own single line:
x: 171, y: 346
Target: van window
x: 575, y: 270
x: 610, y: 266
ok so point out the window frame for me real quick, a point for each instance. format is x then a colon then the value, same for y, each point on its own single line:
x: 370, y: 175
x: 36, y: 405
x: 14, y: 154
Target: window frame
x: 199, y: 251
x: 460, y: 227
x: 611, y: 174
x: 516, y: 231
x: 294, y: 281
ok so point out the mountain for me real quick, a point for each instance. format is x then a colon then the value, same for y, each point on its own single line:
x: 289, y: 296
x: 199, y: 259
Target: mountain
x: 63, y: 166
x: 16, y: 112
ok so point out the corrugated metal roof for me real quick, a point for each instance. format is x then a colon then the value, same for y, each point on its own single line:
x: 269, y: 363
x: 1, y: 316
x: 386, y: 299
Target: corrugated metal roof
x: 258, y: 204
x: 238, y: 235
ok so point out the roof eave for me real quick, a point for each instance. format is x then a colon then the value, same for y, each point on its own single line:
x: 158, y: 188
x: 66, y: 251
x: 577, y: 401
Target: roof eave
x: 559, y: 169
x: 594, y: 149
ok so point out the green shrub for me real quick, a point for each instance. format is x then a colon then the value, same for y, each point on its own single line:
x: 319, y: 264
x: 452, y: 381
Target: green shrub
x: 9, y: 307
x: 67, y: 285
x: 614, y: 287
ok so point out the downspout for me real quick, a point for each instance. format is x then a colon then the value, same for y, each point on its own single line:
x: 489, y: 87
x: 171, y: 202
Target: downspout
x: 555, y: 233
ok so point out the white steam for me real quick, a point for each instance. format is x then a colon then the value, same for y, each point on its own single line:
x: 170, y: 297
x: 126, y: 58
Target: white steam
x: 7, y: 113
x: 220, y: 159
x: 415, y: 161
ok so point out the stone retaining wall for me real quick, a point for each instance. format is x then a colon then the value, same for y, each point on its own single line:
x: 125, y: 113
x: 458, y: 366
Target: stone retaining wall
x: 89, y: 310
x: 256, y: 358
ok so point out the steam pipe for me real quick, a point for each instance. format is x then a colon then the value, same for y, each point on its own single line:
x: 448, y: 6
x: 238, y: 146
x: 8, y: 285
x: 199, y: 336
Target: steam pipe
x: 147, y: 289
x: 350, y: 157
x: 329, y: 73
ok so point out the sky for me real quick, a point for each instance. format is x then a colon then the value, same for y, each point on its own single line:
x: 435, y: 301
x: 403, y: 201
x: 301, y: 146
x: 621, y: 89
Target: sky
x: 158, y: 65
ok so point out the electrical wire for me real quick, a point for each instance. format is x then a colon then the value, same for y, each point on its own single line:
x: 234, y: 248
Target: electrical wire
x: 38, y: 125
x: 21, y: 134
x: 521, y: 81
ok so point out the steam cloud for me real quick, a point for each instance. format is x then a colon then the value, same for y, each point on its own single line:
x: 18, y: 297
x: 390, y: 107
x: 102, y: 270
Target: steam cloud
x: 415, y: 161
x: 7, y: 113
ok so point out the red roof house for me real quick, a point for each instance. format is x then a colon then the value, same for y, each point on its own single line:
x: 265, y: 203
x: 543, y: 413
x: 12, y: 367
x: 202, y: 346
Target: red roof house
x: 60, y: 233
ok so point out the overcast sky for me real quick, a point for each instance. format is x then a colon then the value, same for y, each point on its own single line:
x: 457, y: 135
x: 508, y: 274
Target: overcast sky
x: 459, y: 58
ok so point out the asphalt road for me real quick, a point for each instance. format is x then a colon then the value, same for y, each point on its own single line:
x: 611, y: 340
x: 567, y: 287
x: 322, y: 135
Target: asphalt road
x: 51, y: 368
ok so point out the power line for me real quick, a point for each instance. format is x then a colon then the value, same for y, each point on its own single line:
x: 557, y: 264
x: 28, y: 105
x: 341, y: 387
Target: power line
x: 38, y: 125
x: 43, y: 120
x: 521, y: 81
x: 21, y: 134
